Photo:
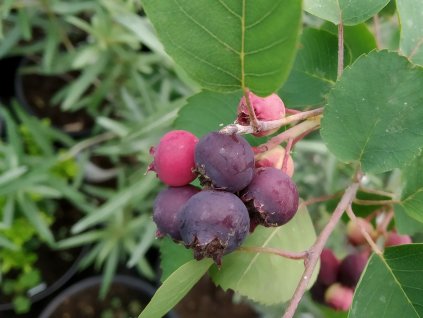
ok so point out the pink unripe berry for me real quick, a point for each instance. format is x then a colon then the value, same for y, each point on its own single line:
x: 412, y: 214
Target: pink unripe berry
x: 397, y: 239
x: 274, y: 158
x: 339, y: 297
x: 265, y: 108
x: 174, y: 158
x: 329, y: 266
x: 354, y: 233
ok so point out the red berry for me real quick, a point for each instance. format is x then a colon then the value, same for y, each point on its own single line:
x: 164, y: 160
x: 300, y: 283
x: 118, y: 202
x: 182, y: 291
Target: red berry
x: 265, y: 108
x: 339, y: 297
x: 355, y: 236
x: 174, y: 158
x: 397, y: 239
x: 274, y: 158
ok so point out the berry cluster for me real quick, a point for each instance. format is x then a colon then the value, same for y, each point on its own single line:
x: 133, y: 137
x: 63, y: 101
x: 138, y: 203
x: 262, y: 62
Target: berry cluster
x: 239, y: 192
x: 337, y: 279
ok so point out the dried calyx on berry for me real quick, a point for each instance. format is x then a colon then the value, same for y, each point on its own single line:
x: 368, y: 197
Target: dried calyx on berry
x: 265, y: 108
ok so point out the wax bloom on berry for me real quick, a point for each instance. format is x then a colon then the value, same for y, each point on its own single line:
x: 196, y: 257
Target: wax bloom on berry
x: 213, y: 223
x: 394, y: 239
x: 266, y: 109
x: 224, y: 162
x: 354, y: 233
x: 174, y: 158
x: 339, y: 297
x: 166, y: 208
x: 274, y: 158
x: 272, y: 197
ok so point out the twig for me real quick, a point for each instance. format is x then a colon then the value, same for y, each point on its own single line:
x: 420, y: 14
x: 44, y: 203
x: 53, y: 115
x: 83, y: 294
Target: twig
x: 322, y: 198
x: 251, y: 113
x: 269, y: 125
x: 377, y: 192
x: 340, y: 48
x: 286, y: 155
x: 375, y: 202
x: 275, y: 251
x: 363, y: 231
x: 315, y: 251
x: 294, y: 132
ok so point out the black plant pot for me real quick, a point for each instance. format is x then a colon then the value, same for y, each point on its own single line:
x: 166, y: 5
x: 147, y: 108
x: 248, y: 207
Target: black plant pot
x: 81, y: 299
x: 34, y: 93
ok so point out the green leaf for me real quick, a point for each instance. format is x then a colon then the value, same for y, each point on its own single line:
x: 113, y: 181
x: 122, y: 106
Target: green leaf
x: 213, y: 109
x: 228, y: 44
x: 352, y: 12
x: 175, y: 288
x: 374, y: 113
x: 412, y: 193
x: 268, y: 278
x: 404, y: 224
x: 172, y: 256
x: 357, y: 38
x: 314, y: 71
x: 391, y: 285
x: 411, y: 40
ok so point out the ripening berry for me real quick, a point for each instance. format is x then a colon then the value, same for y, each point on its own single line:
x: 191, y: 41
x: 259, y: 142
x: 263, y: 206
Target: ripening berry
x: 397, y: 239
x: 274, y: 158
x: 213, y: 223
x: 351, y: 268
x: 174, y: 158
x: 166, y: 207
x: 339, y: 297
x: 272, y: 197
x: 266, y: 109
x: 224, y: 162
x: 354, y: 234
x: 329, y: 266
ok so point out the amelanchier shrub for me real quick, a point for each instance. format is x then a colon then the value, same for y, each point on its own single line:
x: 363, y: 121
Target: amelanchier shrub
x: 246, y: 226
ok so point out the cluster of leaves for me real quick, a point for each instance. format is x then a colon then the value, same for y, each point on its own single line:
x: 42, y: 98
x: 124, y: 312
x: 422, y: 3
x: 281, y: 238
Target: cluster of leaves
x: 371, y: 121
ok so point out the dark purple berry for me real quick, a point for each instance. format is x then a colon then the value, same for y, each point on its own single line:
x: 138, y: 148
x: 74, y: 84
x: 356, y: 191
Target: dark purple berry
x: 213, y: 223
x: 351, y: 268
x: 167, y: 206
x: 272, y: 197
x: 225, y: 162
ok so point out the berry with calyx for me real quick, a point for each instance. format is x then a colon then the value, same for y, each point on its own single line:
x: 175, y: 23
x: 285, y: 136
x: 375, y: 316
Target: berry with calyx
x: 351, y: 268
x: 266, y: 109
x: 274, y: 158
x: 166, y: 208
x: 174, y: 158
x: 354, y: 234
x: 272, y: 197
x: 339, y: 297
x: 397, y: 239
x: 224, y: 162
x: 213, y: 223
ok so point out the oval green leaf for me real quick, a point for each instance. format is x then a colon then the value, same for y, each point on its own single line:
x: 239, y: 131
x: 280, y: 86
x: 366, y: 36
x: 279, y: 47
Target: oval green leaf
x: 411, y: 38
x: 374, y: 113
x: 268, y: 278
x: 229, y: 44
x: 349, y: 12
x: 391, y: 285
x: 175, y: 287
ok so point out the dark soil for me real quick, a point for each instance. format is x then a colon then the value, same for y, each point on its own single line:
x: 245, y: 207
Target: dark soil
x: 121, y: 301
x: 206, y: 300
x: 39, y: 90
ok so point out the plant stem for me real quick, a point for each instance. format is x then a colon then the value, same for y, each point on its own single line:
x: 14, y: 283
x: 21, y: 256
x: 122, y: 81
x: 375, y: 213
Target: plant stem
x: 315, y: 251
x: 375, y: 202
x: 269, y: 125
x: 286, y: 156
x: 322, y: 198
x: 251, y: 113
x: 293, y: 133
x: 275, y: 251
x: 377, y: 192
x: 385, y: 222
x: 363, y: 231
x: 340, y: 48
x: 376, y: 24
